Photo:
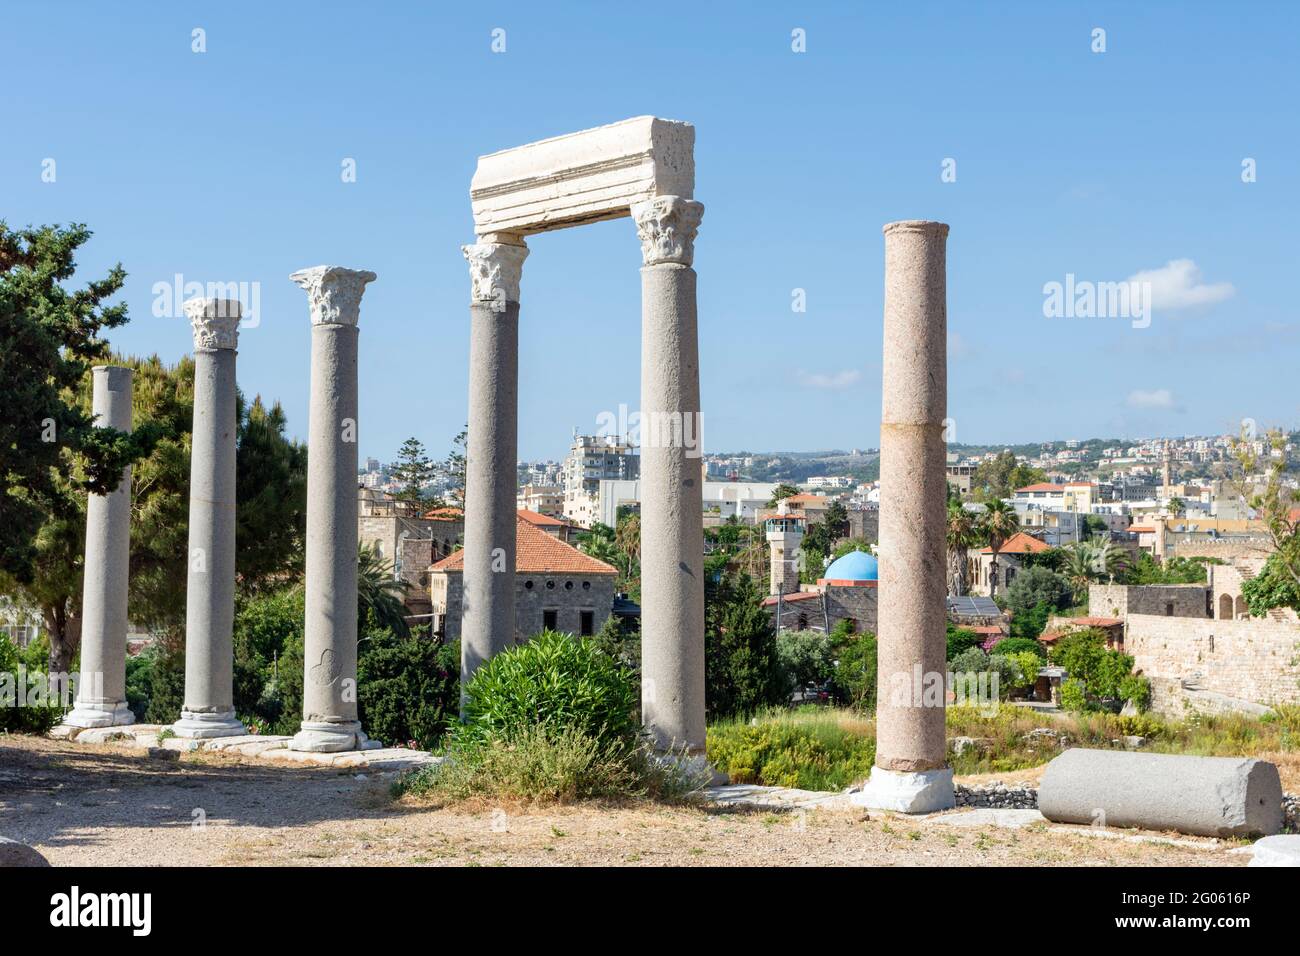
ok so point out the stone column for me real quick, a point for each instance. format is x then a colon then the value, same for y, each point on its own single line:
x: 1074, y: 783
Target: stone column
x: 210, y: 588
x: 101, y: 687
x: 329, y: 720
x: 488, y: 619
x: 910, y: 774
x: 672, y: 506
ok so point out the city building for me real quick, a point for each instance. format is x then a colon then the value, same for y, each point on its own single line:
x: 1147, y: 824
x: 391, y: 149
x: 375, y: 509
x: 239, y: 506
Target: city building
x: 592, y: 460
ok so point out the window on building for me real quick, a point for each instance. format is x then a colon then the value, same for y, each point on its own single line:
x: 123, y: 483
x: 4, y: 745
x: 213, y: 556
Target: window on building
x: 551, y: 620
x: 586, y: 623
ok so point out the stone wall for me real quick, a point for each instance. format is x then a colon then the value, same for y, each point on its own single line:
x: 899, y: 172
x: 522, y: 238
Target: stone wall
x: 568, y: 595
x: 1213, y: 665
x: 1170, y: 600
x: 865, y: 523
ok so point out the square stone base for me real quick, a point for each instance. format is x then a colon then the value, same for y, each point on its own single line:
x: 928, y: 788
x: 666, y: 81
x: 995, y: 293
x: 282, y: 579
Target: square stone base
x: 87, y: 714
x: 926, y: 791
x: 205, y: 726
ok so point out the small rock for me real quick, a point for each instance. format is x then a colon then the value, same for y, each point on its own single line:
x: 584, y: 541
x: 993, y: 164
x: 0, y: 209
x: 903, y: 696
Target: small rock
x: 13, y: 853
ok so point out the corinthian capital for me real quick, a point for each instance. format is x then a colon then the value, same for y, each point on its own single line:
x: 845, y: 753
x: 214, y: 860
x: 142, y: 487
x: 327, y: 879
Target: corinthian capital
x: 215, y: 323
x: 666, y: 226
x: 495, y: 269
x: 334, y: 293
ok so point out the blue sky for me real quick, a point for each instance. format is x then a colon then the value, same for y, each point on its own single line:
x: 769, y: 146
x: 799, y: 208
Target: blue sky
x: 225, y: 166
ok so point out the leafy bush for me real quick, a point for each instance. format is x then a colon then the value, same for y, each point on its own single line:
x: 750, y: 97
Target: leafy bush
x: 960, y: 639
x: 1038, y: 585
x: 551, y: 720
x: 408, y: 687
x: 269, y: 660
x: 817, y: 751
x: 1105, y: 674
x: 855, y: 675
x: 559, y: 680
x: 1028, y: 624
x: 806, y: 657
x: 543, y: 763
x: 24, y: 676
x: 1073, y: 697
x: 166, y: 680
x: 1011, y: 646
x: 971, y: 660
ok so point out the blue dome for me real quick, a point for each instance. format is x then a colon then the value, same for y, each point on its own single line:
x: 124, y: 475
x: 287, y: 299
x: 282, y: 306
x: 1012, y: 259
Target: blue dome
x: 854, y: 566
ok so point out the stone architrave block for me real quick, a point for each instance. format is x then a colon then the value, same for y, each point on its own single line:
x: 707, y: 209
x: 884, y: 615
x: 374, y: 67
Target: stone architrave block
x: 589, y: 176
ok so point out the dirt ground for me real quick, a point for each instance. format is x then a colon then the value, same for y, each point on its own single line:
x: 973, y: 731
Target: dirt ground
x: 109, y: 804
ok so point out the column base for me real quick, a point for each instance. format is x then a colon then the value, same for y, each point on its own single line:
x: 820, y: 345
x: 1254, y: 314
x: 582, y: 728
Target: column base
x: 328, y: 737
x: 922, y: 792
x: 695, y: 767
x: 99, y: 713
x: 204, y: 726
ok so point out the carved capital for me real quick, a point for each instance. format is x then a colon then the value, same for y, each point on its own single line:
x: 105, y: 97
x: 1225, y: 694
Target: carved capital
x: 334, y: 293
x: 215, y: 323
x: 666, y: 226
x: 495, y: 269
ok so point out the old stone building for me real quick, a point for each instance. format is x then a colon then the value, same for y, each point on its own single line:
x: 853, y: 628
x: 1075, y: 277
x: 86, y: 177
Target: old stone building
x: 849, y: 591
x: 557, y: 587
x: 1199, y: 647
x: 1010, y: 561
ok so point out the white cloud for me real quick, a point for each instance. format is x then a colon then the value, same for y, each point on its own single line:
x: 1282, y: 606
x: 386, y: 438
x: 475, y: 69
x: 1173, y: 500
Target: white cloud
x: 841, y: 379
x: 1178, y: 285
x: 1156, y: 398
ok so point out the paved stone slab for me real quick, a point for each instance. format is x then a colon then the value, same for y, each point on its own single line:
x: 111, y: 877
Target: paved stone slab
x: 987, y: 817
x: 1276, y: 851
x: 777, y: 798
x: 1204, y: 796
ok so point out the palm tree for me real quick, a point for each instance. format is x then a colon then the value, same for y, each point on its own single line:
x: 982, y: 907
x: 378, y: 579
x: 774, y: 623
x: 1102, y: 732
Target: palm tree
x: 379, y: 593
x: 998, y: 523
x: 1080, y: 566
x: 961, y: 534
x: 627, y: 537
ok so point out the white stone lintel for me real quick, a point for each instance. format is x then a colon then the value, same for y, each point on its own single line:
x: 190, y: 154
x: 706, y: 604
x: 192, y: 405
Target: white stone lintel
x: 589, y: 176
x: 924, y: 791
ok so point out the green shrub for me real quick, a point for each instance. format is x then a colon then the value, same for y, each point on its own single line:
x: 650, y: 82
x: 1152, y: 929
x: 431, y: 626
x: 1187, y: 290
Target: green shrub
x: 139, y: 681
x: 806, y: 657
x: 166, y: 680
x: 559, y: 680
x: 960, y: 639
x: 1028, y: 624
x: 408, y: 688
x: 1010, y: 646
x: 817, y: 751
x: 971, y: 660
x: 1038, y: 585
x: 542, y: 763
x: 1073, y: 697
x: 855, y: 674
x: 28, y: 703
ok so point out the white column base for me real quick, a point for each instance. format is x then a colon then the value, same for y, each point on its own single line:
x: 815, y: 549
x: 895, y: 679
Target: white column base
x: 99, y: 713
x: 205, y: 726
x: 328, y: 737
x: 922, y: 792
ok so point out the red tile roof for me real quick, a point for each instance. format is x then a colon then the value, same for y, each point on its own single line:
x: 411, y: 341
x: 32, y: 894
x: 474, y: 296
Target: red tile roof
x: 537, y: 552
x: 1041, y: 486
x: 539, y: 519
x: 445, y: 514
x: 1021, y: 543
x: 795, y: 596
